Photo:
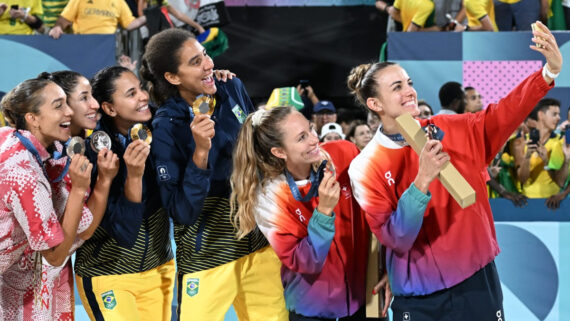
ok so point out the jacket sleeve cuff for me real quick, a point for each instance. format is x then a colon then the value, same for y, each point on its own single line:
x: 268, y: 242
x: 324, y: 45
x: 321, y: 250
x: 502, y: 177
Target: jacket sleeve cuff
x: 418, y: 195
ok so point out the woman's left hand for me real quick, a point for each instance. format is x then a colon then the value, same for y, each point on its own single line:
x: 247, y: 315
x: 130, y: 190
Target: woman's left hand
x: 548, y: 47
x: 224, y: 75
x: 384, y: 285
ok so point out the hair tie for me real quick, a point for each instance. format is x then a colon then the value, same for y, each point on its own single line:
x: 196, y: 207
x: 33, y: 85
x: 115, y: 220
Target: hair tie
x: 257, y: 117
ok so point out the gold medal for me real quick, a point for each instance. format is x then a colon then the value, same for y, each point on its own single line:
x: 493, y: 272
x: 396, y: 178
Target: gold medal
x: 204, y: 104
x: 100, y: 140
x: 140, y: 131
x: 76, y: 145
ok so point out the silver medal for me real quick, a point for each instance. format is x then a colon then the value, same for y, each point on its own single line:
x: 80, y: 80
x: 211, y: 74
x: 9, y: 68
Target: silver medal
x: 100, y: 140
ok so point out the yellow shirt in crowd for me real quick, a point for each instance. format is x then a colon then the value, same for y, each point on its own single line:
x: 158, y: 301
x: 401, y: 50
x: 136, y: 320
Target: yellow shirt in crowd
x: 97, y: 16
x: 542, y: 185
x: 477, y: 9
x: 17, y: 27
x: 416, y: 11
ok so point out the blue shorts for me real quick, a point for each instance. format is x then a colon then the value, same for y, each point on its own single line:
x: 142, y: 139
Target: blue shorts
x: 478, y: 298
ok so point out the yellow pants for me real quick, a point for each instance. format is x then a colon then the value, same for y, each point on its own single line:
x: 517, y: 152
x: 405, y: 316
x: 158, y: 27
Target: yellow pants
x: 144, y: 296
x: 252, y: 284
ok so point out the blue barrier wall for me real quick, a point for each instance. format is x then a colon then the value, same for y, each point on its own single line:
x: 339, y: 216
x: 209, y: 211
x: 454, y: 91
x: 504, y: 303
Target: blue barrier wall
x: 434, y: 58
x: 533, y: 265
x: 24, y: 57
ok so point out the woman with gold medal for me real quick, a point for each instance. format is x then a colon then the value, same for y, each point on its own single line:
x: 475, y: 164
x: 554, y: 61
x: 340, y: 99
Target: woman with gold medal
x: 195, y: 130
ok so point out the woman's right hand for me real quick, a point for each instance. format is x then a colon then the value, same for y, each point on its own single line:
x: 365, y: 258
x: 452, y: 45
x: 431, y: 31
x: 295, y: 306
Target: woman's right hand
x: 135, y: 157
x: 548, y: 48
x: 80, y: 172
x: 329, y: 193
x: 432, y: 159
x: 107, y: 164
x: 202, y: 128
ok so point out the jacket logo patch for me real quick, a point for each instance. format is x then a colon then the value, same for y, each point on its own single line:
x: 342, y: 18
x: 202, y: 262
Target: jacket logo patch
x: 109, y: 300
x: 388, y: 176
x: 240, y: 115
x: 300, y: 215
x: 192, y: 286
x: 162, y: 173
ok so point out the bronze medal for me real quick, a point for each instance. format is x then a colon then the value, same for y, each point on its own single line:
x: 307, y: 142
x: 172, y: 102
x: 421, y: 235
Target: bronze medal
x: 140, y: 131
x: 204, y: 104
x: 100, y: 140
x: 76, y: 145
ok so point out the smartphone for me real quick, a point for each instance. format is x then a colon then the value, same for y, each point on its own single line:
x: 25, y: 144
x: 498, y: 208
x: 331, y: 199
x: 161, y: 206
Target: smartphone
x: 15, y: 7
x: 567, y: 135
x: 304, y: 83
x: 452, y: 22
x: 534, y: 136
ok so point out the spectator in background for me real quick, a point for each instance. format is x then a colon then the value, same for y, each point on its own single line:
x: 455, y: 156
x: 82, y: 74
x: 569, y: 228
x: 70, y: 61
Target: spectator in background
x: 502, y: 177
x: 565, y: 124
x: 309, y: 98
x: 473, y: 100
x: 373, y: 121
x: 323, y: 112
x: 451, y: 98
x: 415, y: 15
x: 346, y: 117
x: 96, y: 17
x: 52, y: 9
x: 455, y: 9
x: 20, y: 17
x: 541, y: 164
x: 185, y: 7
x: 360, y: 134
x: 566, y: 9
x: 159, y: 4
x: 425, y: 109
x: 330, y: 132
x: 480, y: 15
x: 516, y: 14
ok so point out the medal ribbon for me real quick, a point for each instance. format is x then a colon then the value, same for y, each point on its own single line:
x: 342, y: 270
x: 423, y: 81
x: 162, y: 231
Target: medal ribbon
x: 315, y: 178
x: 32, y: 149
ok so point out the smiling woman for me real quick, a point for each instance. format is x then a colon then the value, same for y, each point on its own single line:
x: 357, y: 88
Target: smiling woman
x: 34, y: 222
x: 436, y: 250
x: 298, y: 193
x: 193, y: 157
x: 128, y: 260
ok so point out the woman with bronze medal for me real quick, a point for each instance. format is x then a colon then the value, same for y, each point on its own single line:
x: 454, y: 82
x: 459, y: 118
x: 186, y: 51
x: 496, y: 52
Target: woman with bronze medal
x: 125, y: 271
x: 38, y: 227
x: 57, y: 281
x: 195, y: 130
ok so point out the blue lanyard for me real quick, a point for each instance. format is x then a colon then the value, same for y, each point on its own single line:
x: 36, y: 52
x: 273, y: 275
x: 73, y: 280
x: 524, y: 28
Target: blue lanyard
x: 315, y: 178
x: 393, y: 137
x: 32, y: 149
